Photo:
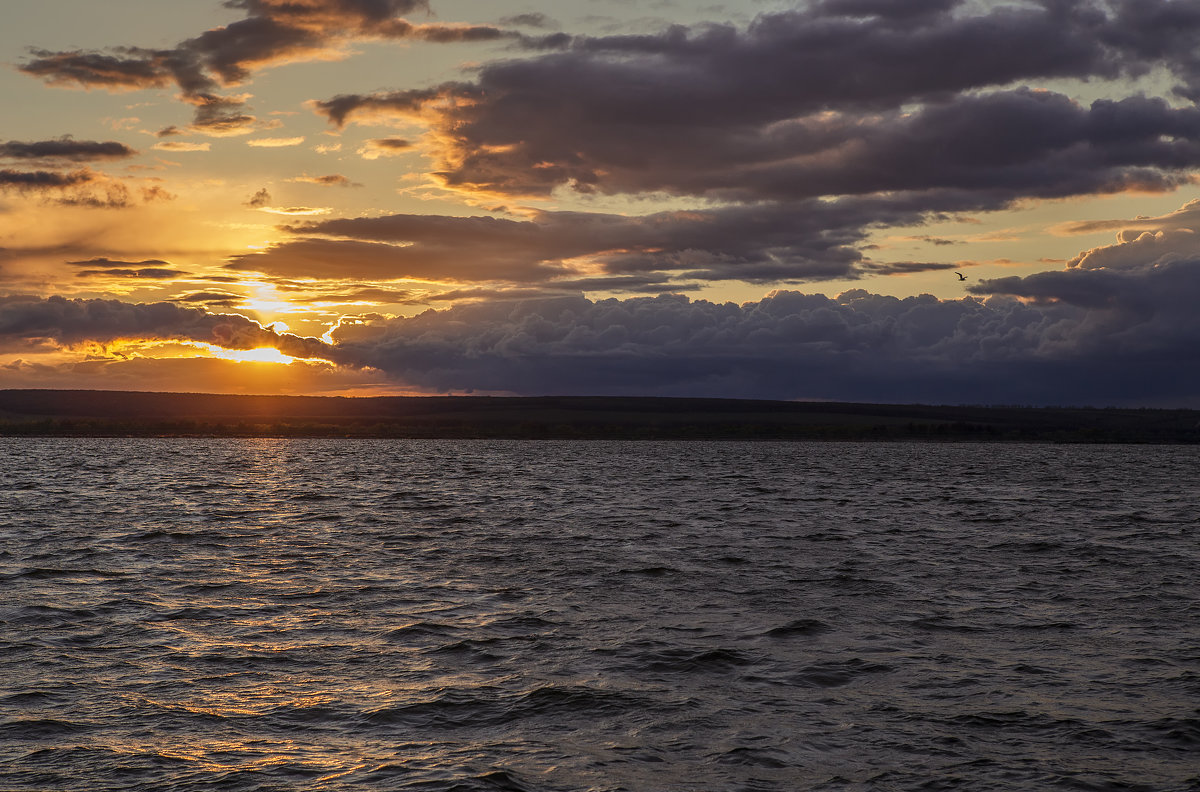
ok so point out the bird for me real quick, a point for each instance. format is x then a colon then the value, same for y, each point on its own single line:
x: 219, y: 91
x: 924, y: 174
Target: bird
x: 961, y: 277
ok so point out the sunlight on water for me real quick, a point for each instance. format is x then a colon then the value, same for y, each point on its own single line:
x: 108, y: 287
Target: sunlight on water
x: 271, y: 614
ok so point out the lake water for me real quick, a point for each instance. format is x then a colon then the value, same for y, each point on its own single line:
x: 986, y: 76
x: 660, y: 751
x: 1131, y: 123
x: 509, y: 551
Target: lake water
x: 473, y: 615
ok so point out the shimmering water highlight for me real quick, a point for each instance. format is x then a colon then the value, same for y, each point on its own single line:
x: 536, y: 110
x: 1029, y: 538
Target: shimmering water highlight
x: 426, y: 615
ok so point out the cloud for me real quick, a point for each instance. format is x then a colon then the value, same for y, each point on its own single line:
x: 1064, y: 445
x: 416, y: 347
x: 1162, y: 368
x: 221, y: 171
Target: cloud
x: 809, y: 241
x: 107, y: 262
x: 66, y: 149
x: 150, y: 273
x: 1000, y: 146
x: 272, y: 32
x: 330, y: 180
x: 129, y: 69
x: 30, y: 321
x: 43, y: 180
x: 181, y: 145
x: 212, y: 299
x: 536, y: 20
x: 151, y: 269
x: 414, y: 103
x: 259, y: 199
x: 384, y: 147
x: 82, y: 187
x: 275, y: 142
x: 352, y: 259
x: 296, y: 211
x: 1100, y: 340
x: 871, y: 107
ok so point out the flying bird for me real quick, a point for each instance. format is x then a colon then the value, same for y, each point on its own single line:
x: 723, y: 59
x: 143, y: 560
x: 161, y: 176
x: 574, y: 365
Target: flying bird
x: 961, y: 277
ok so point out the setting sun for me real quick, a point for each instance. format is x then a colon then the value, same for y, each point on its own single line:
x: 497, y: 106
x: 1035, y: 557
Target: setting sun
x: 260, y: 355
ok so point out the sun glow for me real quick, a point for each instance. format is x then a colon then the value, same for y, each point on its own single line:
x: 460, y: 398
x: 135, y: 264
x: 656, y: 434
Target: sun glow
x: 260, y: 355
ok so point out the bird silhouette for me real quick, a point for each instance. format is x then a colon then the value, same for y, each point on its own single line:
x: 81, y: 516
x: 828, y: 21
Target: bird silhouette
x: 961, y: 277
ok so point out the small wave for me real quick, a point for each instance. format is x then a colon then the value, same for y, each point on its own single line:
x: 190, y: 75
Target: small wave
x: 28, y: 697
x: 1028, y: 547
x: 1178, y: 732
x: 420, y: 630
x: 836, y: 674
x: 942, y: 624
x: 653, y: 571
x: 522, y: 624
x: 484, y: 708
x: 311, y: 496
x: 47, y: 614
x: 799, y: 627
x: 471, y: 650
x: 693, y: 660
x: 494, y: 781
x: 36, y: 728
x: 754, y: 757
x: 50, y: 573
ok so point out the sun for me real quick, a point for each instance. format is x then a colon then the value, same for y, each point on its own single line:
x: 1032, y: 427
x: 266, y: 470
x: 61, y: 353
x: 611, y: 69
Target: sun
x: 261, y: 355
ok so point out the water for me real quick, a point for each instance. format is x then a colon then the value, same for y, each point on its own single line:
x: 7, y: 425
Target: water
x: 425, y: 615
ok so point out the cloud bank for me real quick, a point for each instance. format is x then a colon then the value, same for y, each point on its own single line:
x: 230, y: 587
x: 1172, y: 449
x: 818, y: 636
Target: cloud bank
x: 838, y: 99
x: 1086, y: 338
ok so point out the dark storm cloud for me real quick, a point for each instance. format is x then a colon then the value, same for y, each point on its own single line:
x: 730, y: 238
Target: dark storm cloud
x: 1095, y: 339
x: 272, y: 31
x: 63, y: 322
x: 808, y: 241
x: 819, y: 102
x: 66, y: 149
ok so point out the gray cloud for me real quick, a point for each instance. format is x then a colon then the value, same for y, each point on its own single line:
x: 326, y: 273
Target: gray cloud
x: 805, y: 241
x: 877, y: 97
x: 1093, y: 339
x: 272, y: 31
x: 43, y: 179
x: 66, y: 149
x: 534, y: 20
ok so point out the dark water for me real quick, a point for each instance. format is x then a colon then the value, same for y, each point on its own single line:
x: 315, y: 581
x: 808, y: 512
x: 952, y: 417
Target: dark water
x: 419, y: 615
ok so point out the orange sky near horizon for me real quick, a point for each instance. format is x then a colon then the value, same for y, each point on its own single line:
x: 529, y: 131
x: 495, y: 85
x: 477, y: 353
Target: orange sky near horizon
x: 379, y: 196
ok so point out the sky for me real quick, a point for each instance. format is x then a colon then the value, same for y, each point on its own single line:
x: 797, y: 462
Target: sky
x: 938, y: 201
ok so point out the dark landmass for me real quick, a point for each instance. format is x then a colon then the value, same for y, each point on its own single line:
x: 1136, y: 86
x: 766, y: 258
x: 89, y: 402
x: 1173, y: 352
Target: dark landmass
x: 132, y: 414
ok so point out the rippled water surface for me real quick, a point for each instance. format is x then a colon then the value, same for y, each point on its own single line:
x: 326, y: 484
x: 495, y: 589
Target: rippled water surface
x: 427, y: 615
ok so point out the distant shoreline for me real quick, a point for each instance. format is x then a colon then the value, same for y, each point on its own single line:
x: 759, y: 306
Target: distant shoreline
x: 69, y: 413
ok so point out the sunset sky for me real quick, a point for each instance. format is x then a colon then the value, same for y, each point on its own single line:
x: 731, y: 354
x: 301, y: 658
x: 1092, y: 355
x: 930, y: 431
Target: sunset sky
x: 749, y: 199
